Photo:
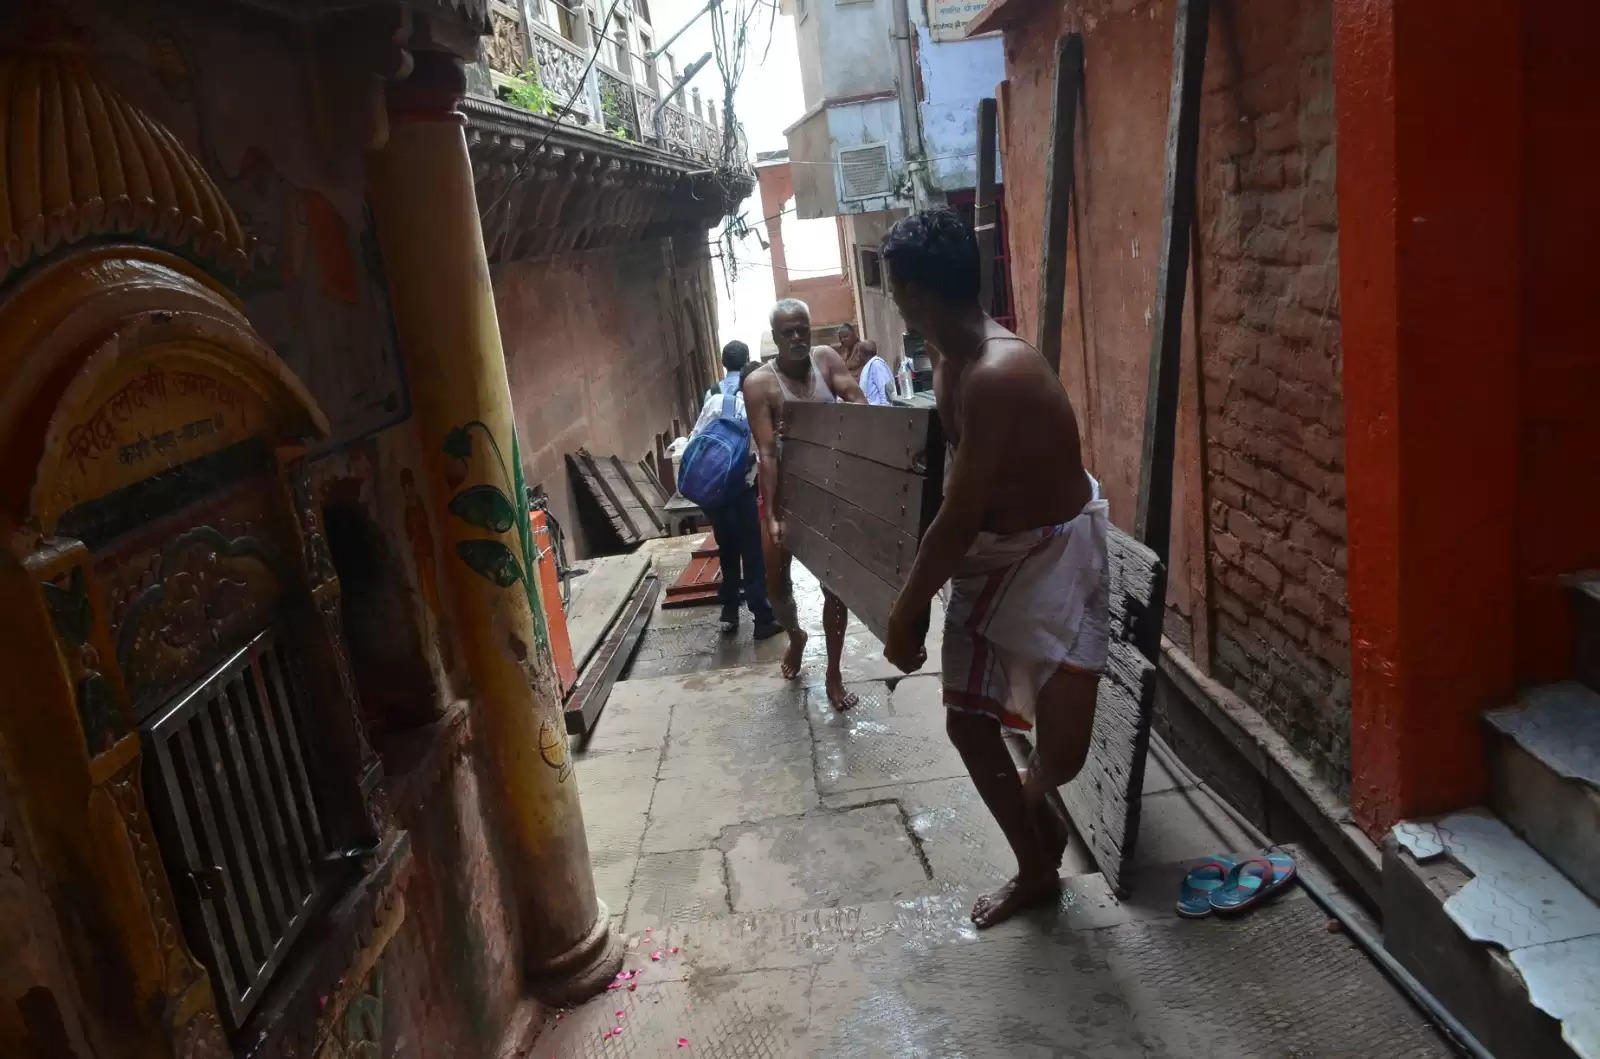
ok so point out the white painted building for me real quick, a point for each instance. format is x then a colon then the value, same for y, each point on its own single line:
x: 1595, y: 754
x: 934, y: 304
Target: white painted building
x: 891, y: 94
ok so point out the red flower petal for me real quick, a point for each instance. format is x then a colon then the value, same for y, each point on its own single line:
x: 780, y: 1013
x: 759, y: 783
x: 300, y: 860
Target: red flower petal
x: 683, y: 1042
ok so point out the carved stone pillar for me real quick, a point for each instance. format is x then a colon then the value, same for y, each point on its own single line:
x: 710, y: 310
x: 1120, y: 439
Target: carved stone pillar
x: 428, y: 225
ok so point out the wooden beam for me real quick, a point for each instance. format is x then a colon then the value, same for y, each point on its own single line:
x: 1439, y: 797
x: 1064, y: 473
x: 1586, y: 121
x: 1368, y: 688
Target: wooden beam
x: 983, y: 211
x: 1058, y: 182
x: 1153, y: 520
x: 594, y: 686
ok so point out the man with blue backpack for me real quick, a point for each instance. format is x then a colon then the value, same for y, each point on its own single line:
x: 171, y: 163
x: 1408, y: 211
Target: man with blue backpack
x: 718, y: 473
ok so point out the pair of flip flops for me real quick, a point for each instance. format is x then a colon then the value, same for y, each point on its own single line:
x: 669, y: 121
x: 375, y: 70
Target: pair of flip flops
x: 1221, y: 884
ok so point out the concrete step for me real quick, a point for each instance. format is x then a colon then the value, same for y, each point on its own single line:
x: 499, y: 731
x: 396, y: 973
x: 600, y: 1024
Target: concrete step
x: 1504, y: 940
x: 1584, y: 591
x: 1544, y: 756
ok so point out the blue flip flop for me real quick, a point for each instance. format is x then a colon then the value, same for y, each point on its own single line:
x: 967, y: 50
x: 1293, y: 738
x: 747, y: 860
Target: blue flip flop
x: 1203, y: 879
x: 1252, y: 881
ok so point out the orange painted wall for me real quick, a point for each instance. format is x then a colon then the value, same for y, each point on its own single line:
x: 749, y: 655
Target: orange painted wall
x: 1559, y: 385
x: 1471, y: 374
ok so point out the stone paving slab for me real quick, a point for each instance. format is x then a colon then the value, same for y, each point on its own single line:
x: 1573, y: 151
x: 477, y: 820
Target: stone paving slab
x: 913, y: 978
x: 678, y: 887
x: 694, y: 810
x: 887, y: 738
x: 615, y: 791
x: 823, y: 859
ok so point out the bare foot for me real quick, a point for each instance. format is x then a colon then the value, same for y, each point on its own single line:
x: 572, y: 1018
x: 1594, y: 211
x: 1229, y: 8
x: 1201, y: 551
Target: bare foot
x: 840, y: 697
x: 790, y: 667
x: 1022, y: 892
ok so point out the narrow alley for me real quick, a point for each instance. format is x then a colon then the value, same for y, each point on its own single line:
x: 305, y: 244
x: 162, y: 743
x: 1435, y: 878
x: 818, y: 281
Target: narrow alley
x: 805, y: 878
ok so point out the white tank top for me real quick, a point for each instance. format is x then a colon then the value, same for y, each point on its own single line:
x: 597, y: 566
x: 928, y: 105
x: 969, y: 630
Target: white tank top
x: 820, y: 393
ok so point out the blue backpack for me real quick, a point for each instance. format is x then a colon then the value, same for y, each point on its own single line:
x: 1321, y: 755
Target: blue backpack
x: 713, y: 467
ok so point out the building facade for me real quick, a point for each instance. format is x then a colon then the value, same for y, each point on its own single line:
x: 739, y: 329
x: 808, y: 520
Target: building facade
x: 286, y: 770
x: 891, y: 94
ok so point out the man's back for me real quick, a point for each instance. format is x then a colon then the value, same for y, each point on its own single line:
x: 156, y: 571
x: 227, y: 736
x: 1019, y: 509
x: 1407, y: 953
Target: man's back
x: 1009, y: 390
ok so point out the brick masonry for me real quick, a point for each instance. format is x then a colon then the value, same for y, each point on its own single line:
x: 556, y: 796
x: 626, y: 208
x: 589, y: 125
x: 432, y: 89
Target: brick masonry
x: 1257, y: 589
x: 1268, y: 316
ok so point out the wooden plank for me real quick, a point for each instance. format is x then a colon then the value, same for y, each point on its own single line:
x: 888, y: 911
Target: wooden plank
x: 897, y: 497
x: 898, y: 437
x: 983, y: 211
x: 616, y: 480
x: 1153, y: 520
x: 604, y: 497
x: 594, y: 686
x: 865, y: 595
x: 598, y: 598
x: 886, y: 550
x: 696, y: 577
x: 1059, y: 178
x: 647, y: 492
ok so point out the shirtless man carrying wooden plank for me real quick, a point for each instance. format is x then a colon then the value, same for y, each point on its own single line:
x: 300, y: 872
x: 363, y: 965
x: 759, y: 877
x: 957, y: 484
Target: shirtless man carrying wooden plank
x: 1021, y: 539
x: 800, y: 372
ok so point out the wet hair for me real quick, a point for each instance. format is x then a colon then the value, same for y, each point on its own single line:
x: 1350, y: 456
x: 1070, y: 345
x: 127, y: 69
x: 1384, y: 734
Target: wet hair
x: 735, y: 355
x: 935, y: 250
x: 846, y: 326
x: 787, y: 307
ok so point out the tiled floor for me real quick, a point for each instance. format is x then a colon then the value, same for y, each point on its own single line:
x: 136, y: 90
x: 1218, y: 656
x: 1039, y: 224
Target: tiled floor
x: 814, y: 870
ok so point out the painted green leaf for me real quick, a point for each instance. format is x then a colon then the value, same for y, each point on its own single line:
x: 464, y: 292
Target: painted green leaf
x: 458, y: 443
x: 491, y: 560
x: 484, y: 506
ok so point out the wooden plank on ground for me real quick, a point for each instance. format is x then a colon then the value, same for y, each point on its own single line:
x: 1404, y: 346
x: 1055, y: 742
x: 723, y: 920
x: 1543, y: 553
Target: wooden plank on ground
x: 864, y: 594
x: 899, y: 439
x: 598, y: 597
x: 897, y: 497
x: 699, y: 584
x: 594, y: 686
x: 881, y: 547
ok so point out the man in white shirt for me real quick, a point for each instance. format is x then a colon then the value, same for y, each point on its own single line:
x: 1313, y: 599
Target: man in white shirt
x: 737, y: 523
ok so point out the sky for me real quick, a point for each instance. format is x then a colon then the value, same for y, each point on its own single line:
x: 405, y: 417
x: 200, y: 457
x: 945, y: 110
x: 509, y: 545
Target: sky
x: 768, y: 100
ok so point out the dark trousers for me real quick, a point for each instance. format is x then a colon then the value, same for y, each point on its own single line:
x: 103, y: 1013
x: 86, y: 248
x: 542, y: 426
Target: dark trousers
x: 737, y: 528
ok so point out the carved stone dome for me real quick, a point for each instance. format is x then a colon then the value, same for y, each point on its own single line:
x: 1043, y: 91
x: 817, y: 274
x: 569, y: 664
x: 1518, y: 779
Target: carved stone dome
x: 79, y: 161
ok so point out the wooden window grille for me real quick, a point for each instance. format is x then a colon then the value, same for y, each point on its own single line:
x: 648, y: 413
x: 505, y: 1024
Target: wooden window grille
x: 241, y: 836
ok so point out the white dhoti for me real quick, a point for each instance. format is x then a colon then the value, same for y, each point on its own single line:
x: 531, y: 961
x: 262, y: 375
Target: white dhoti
x: 1022, y: 607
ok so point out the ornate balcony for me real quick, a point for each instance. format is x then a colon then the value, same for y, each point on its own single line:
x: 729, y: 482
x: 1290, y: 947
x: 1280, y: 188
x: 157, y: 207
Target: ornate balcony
x: 546, y: 186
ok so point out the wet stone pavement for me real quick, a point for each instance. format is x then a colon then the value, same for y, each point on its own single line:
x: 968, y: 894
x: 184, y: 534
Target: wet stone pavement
x: 792, y: 881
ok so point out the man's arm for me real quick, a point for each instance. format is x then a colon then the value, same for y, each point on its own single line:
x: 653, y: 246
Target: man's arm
x: 759, y: 406
x: 839, y: 379
x: 978, y: 466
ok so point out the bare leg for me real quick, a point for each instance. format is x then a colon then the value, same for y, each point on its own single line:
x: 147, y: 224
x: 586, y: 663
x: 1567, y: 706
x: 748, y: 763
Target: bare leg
x: 834, y: 619
x: 984, y: 752
x: 780, y: 591
x: 1062, y: 737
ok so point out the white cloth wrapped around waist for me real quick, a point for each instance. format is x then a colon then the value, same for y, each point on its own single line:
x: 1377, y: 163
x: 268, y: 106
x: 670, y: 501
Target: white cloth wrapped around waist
x: 1022, y: 605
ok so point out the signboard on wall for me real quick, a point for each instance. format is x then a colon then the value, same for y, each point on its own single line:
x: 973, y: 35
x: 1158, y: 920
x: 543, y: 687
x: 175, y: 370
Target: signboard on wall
x: 947, y: 19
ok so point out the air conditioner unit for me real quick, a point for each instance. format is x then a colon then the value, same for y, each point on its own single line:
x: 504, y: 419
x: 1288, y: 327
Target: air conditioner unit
x: 864, y: 171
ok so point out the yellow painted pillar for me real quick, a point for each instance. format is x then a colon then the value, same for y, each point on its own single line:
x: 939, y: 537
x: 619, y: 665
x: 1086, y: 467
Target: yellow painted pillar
x: 420, y: 184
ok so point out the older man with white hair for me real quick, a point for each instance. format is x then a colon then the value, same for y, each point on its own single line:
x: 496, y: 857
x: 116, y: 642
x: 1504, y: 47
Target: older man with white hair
x: 800, y: 372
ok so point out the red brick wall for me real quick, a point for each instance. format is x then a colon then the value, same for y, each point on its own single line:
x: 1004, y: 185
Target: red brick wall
x: 1269, y: 339
x: 603, y: 349
x: 1257, y: 591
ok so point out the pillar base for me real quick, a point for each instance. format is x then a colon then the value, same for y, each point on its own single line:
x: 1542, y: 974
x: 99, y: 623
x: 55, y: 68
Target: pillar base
x: 583, y: 970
